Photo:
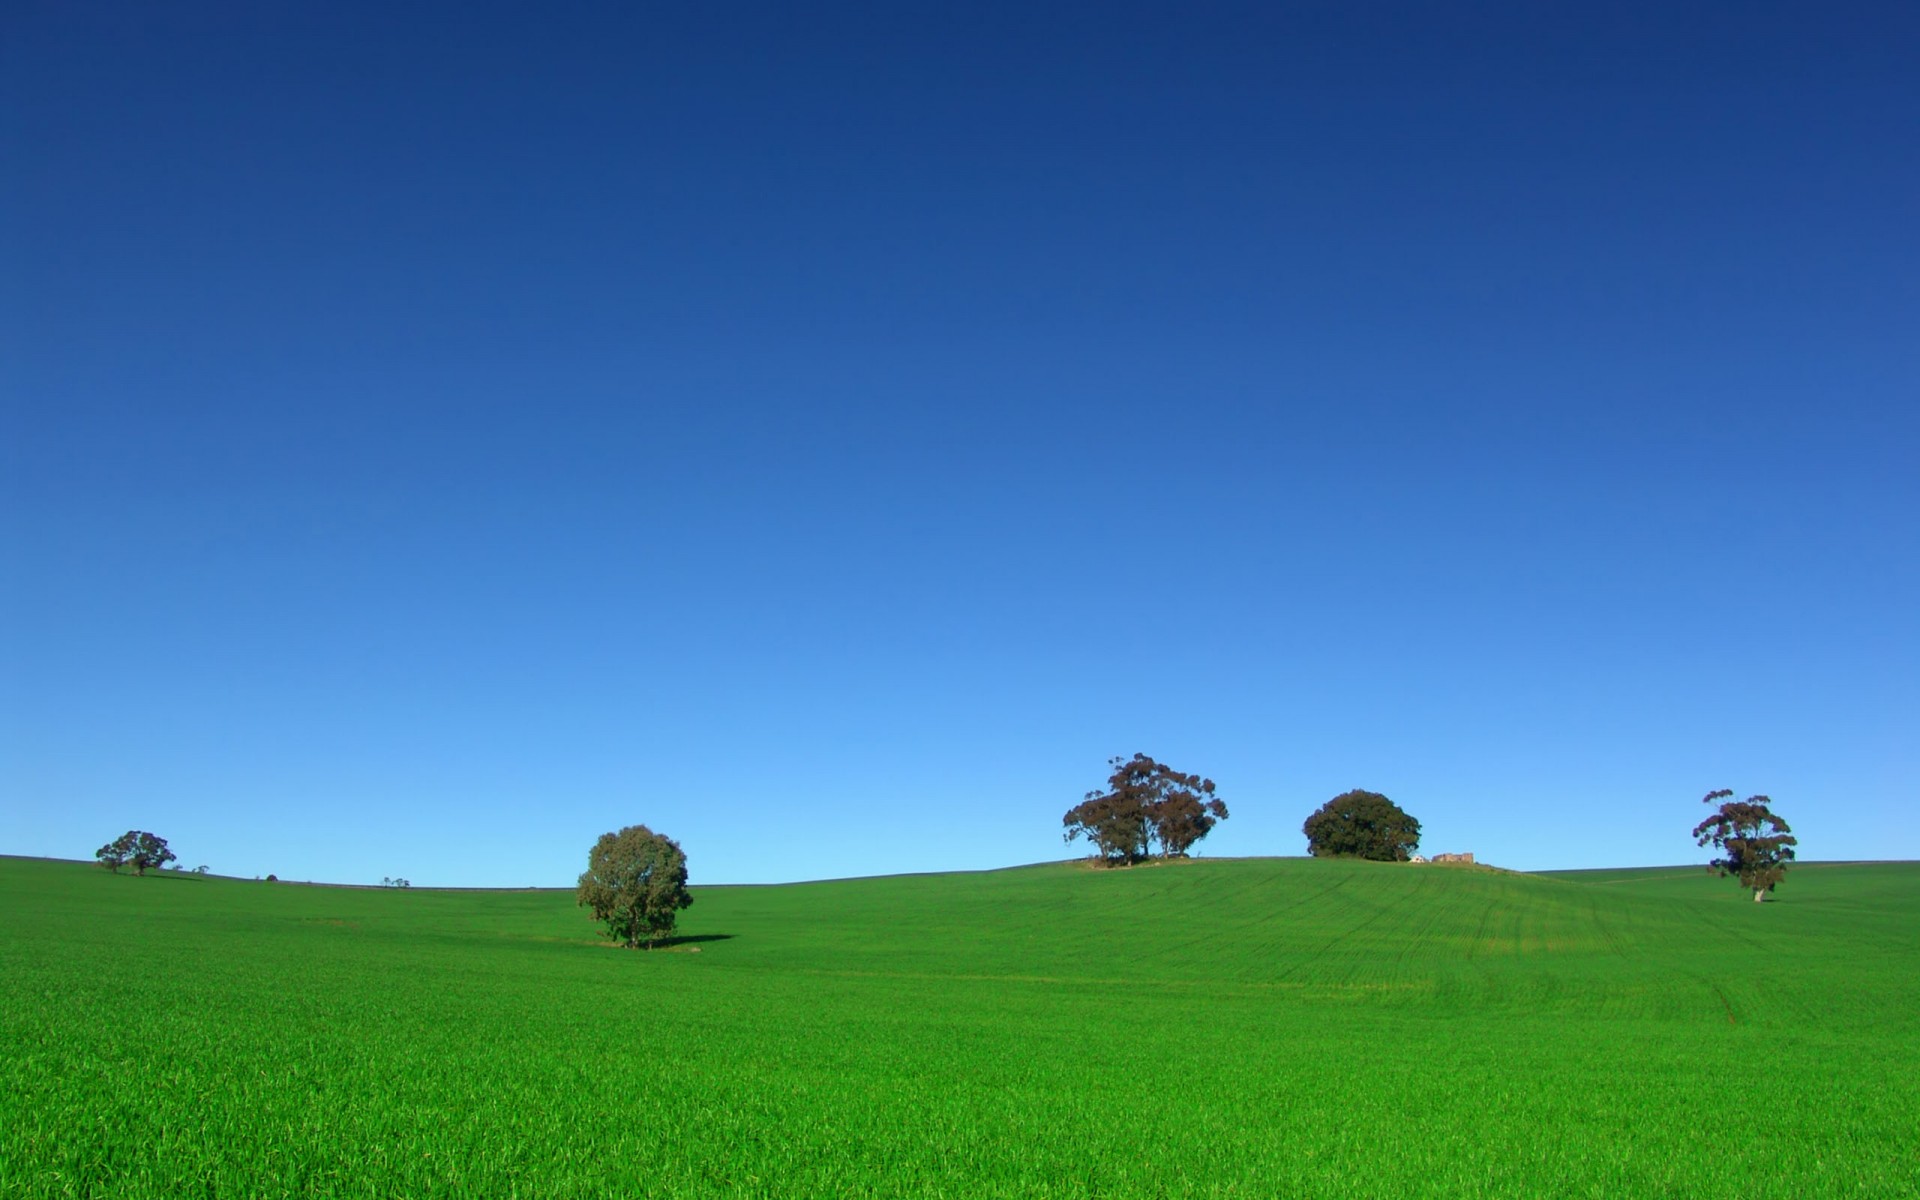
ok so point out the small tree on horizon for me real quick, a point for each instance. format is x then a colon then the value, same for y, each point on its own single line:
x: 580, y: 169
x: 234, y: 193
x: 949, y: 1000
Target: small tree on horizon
x: 1755, y: 845
x: 1362, y: 824
x: 636, y: 885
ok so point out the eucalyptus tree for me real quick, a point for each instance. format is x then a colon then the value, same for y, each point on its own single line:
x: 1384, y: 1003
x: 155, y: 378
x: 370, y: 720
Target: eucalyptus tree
x: 1145, y: 804
x: 1755, y: 845
x: 136, y: 847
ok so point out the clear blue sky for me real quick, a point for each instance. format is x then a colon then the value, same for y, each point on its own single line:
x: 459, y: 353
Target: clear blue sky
x: 432, y: 438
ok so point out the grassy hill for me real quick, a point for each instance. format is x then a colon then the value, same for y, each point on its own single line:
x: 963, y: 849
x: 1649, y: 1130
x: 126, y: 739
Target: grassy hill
x: 1249, y: 1028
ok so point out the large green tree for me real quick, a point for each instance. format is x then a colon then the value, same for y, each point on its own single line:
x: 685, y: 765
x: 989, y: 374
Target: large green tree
x: 1362, y: 824
x: 1755, y: 845
x: 138, y: 848
x: 636, y: 884
x: 1145, y: 804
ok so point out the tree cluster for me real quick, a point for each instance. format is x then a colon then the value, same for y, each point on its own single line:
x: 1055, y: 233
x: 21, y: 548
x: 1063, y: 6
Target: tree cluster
x: 1146, y: 804
x: 394, y: 881
x: 1362, y: 824
x: 136, y: 848
x: 1755, y: 845
x: 636, y: 884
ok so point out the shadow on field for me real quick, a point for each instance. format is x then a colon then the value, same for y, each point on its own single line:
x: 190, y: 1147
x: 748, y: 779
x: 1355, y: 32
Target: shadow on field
x: 691, y: 939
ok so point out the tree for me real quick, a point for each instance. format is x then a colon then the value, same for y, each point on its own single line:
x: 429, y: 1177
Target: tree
x: 1362, y: 824
x: 136, y: 846
x: 1755, y: 845
x: 635, y: 883
x: 1146, y: 802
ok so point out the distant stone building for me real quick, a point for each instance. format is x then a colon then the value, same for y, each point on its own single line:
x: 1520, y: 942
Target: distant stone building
x: 1454, y: 858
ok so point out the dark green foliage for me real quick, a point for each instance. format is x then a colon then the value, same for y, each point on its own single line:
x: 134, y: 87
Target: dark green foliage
x: 1146, y: 803
x: 115, y: 853
x: 1116, y: 825
x: 1755, y: 845
x: 1362, y: 824
x: 138, y: 848
x: 635, y: 883
x: 150, y: 852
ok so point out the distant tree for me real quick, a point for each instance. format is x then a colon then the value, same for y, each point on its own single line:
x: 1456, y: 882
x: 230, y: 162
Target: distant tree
x: 202, y: 869
x: 141, y: 849
x: 1362, y: 824
x: 1145, y: 803
x: 1755, y: 845
x: 636, y: 885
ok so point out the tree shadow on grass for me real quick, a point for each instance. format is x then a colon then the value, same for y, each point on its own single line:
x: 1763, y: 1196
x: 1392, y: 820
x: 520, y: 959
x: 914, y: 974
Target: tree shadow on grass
x: 691, y: 939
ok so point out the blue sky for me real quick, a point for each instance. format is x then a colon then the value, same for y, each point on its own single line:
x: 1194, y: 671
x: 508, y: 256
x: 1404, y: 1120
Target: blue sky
x: 430, y: 439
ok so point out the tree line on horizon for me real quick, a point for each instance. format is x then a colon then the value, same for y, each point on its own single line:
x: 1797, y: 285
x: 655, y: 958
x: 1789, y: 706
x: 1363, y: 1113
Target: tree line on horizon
x: 636, y: 879
x: 1151, y: 810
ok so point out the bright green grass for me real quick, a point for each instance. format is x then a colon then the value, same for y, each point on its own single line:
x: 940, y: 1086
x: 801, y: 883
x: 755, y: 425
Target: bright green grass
x: 1247, y: 1028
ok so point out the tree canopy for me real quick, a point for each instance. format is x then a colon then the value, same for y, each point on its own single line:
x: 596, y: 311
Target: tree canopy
x: 1145, y: 804
x: 138, y: 848
x: 1755, y: 845
x: 636, y: 884
x: 1362, y: 824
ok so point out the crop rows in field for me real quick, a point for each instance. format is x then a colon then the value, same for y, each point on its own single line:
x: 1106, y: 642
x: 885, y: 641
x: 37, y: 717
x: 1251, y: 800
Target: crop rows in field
x: 1235, y: 1028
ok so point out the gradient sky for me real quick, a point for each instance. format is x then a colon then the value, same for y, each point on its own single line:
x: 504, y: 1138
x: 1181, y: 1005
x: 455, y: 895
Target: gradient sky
x: 431, y: 438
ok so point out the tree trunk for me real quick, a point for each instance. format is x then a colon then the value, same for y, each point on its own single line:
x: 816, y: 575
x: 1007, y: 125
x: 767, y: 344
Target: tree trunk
x: 1759, y: 894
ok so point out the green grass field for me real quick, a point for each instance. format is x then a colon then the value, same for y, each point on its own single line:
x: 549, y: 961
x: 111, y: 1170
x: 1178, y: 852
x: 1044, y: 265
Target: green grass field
x: 1234, y: 1028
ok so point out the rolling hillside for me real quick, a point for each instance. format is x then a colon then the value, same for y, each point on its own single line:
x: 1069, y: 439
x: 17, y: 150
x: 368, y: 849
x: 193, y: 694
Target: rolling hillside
x: 1255, y: 1027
